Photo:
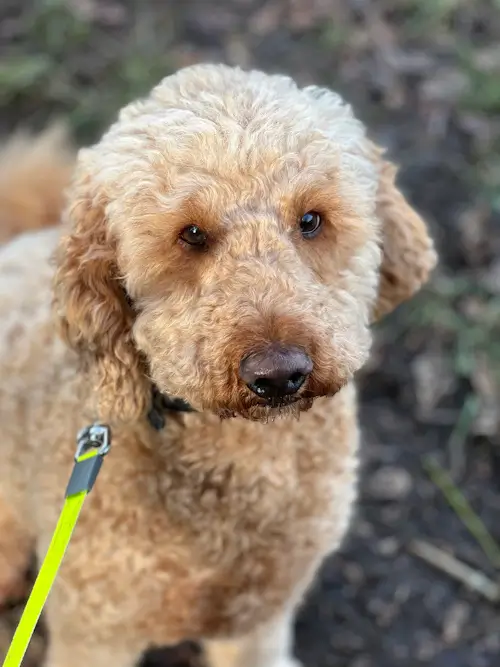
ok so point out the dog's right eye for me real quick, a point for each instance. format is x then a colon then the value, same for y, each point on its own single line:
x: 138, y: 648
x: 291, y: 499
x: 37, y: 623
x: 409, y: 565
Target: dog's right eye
x: 193, y: 235
x: 310, y: 224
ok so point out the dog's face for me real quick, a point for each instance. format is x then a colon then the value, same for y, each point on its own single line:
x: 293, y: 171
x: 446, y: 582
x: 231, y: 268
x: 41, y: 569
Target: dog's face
x: 227, y: 240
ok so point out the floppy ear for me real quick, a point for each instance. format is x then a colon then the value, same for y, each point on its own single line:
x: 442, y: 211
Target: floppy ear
x: 92, y: 310
x: 408, y: 254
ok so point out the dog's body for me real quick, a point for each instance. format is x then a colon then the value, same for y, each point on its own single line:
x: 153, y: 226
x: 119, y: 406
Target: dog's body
x: 206, y: 529
x: 173, y: 543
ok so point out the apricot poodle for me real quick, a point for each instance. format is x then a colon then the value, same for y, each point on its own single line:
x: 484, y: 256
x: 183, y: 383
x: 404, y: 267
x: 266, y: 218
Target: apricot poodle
x: 223, y: 251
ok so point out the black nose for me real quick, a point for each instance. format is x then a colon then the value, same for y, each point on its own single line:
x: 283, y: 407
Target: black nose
x: 277, y: 371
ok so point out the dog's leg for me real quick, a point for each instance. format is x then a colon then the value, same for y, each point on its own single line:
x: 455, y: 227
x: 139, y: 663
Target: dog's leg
x: 85, y: 630
x: 72, y: 644
x: 91, y: 653
x: 15, y: 551
x: 269, y: 646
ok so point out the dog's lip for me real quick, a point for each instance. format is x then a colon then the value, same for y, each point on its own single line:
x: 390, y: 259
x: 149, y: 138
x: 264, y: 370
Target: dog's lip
x: 298, y: 398
x: 279, y: 404
x: 304, y: 395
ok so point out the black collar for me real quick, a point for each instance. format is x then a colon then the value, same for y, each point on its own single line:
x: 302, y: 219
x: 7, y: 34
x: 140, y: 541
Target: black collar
x: 161, y: 404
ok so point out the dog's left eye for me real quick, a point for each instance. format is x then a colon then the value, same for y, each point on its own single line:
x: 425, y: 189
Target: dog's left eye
x: 310, y: 224
x: 193, y: 235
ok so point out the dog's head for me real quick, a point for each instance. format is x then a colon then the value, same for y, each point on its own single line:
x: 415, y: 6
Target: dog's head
x: 231, y: 238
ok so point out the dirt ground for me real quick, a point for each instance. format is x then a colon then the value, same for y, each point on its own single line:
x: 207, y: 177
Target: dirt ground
x: 425, y: 77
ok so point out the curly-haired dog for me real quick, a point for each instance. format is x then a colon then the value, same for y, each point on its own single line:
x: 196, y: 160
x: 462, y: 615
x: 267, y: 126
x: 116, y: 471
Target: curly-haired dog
x: 228, y: 242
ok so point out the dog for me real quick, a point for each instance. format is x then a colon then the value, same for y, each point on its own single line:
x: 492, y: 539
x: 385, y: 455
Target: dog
x: 209, y: 292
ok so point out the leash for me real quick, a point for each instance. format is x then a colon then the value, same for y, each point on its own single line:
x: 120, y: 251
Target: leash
x: 93, y: 443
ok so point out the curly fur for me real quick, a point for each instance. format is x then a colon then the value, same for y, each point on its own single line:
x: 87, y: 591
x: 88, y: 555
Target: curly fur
x: 34, y: 172
x: 211, y: 528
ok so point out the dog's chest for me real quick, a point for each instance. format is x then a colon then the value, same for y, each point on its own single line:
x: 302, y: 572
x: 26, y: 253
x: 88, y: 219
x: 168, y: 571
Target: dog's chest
x: 255, y: 534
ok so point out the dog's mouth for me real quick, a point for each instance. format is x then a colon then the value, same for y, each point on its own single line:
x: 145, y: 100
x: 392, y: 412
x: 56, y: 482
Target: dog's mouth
x: 270, y: 409
x: 253, y: 409
x: 246, y: 404
x: 278, y: 402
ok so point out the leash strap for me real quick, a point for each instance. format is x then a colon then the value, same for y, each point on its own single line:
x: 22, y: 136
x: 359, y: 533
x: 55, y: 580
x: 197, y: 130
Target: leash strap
x: 93, y: 443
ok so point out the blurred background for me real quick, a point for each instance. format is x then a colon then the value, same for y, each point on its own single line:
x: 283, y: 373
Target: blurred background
x: 417, y: 581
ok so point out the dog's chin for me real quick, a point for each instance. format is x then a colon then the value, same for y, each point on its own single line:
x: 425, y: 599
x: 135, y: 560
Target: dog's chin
x: 268, y: 411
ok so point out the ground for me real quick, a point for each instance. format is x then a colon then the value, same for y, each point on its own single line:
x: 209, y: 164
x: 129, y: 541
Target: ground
x: 425, y: 76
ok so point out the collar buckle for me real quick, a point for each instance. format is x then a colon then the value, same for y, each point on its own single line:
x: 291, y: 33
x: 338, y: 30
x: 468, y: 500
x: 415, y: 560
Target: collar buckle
x: 96, y: 436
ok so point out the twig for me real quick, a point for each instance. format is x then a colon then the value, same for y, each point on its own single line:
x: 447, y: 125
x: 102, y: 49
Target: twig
x: 461, y: 506
x: 474, y: 579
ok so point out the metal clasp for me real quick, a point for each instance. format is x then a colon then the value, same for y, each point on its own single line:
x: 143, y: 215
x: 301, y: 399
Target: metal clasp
x: 95, y: 436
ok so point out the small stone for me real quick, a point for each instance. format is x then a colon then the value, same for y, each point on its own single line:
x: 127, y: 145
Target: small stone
x: 363, y: 529
x: 455, y: 618
x: 390, y: 483
x: 354, y: 573
x: 388, y: 547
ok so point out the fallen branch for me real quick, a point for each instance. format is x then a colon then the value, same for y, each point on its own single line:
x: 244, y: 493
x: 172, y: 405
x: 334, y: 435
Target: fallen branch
x: 474, y: 580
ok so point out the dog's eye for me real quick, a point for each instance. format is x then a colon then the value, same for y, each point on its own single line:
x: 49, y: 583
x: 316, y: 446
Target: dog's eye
x: 193, y: 235
x: 310, y: 224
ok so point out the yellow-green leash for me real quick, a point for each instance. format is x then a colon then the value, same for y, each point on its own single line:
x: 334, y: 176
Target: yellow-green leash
x: 93, y: 444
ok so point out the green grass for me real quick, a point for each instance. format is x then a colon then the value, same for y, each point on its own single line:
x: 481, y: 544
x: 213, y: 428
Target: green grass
x: 65, y: 66
x: 471, y: 333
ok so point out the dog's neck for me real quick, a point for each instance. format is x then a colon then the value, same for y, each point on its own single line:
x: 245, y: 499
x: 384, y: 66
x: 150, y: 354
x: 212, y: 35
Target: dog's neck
x: 161, y: 405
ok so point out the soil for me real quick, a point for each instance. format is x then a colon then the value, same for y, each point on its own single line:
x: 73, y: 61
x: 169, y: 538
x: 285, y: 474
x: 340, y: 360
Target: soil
x: 375, y: 603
